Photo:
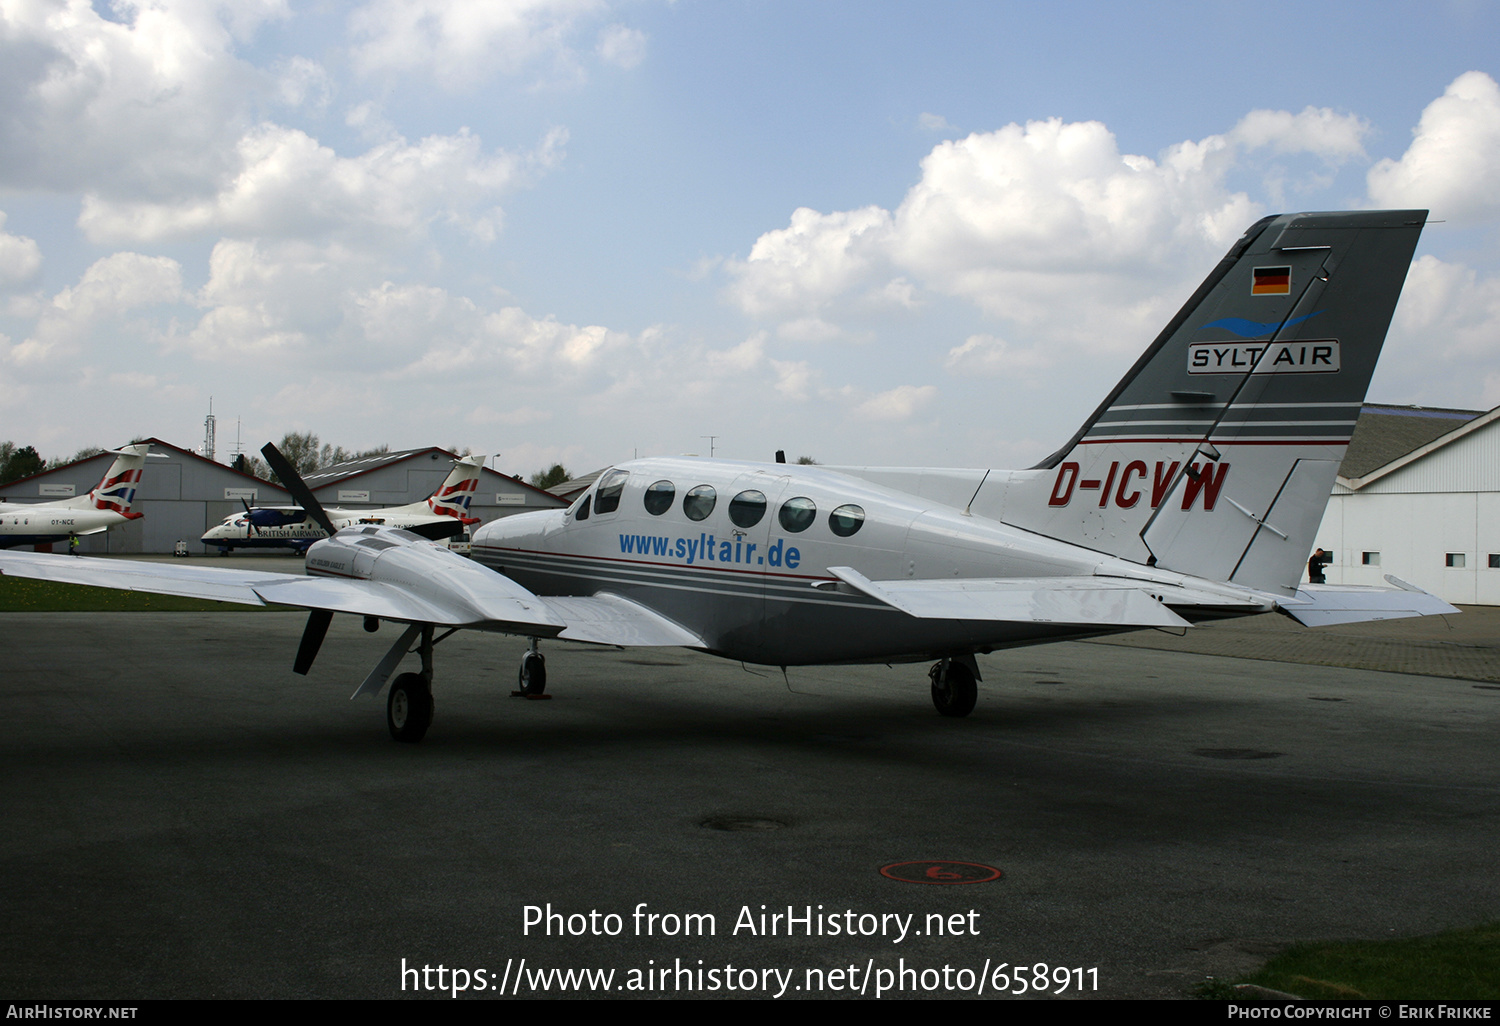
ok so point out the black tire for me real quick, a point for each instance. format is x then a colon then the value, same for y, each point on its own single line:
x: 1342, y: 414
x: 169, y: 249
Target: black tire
x: 533, y: 674
x: 954, y: 691
x: 408, y: 710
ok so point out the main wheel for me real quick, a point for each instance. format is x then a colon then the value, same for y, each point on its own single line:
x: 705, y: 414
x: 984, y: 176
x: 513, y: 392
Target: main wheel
x: 408, y: 710
x: 953, y: 689
x: 533, y: 674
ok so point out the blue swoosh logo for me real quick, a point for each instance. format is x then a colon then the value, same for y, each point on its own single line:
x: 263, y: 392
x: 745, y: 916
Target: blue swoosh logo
x: 1245, y: 328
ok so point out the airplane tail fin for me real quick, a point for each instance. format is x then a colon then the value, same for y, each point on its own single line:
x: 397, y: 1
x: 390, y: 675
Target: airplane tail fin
x: 116, y: 490
x: 1216, y: 454
x: 453, y: 496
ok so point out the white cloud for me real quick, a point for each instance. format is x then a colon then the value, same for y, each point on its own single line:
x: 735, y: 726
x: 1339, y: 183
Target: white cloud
x: 109, y: 289
x: 20, y: 257
x: 992, y: 356
x: 1046, y: 225
x: 1450, y: 166
x: 621, y: 46
x: 933, y: 122
x: 464, y: 42
x: 900, y: 403
x: 149, y: 104
x: 816, y: 258
x: 287, y: 184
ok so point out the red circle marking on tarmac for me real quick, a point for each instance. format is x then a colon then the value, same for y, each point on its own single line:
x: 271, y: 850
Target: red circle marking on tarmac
x: 939, y: 872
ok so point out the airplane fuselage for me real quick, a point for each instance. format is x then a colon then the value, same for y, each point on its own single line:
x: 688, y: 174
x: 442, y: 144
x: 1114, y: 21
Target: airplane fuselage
x: 237, y: 531
x: 747, y: 571
x: 22, y: 524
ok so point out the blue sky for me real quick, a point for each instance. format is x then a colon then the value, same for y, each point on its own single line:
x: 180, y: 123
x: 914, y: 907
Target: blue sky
x: 580, y: 230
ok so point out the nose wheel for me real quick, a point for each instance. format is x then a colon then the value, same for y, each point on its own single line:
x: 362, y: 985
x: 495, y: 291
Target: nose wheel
x: 954, y: 691
x: 533, y: 677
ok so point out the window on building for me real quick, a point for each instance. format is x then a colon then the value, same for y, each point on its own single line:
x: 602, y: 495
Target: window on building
x: 1370, y: 558
x: 1495, y: 560
x: 1456, y: 560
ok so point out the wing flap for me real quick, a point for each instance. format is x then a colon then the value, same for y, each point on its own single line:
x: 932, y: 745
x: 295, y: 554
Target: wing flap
x: 611, y: 620
x: 1088, y: 601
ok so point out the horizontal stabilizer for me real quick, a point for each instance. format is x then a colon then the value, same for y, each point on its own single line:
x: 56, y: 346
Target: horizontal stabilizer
x: 612, y: 620
x: 1322, y: 605
x: 1089, y: 601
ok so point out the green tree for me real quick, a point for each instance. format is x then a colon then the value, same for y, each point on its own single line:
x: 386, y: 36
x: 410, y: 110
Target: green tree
x: 806, y: 461
x: 16, y: 463
x: 548, y: 478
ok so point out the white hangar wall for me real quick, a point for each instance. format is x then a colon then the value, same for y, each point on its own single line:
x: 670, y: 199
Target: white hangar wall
x: 1431, y: 518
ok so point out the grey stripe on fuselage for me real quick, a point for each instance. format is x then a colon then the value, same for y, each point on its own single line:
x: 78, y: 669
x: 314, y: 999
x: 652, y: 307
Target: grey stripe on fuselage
x: 754, y: 615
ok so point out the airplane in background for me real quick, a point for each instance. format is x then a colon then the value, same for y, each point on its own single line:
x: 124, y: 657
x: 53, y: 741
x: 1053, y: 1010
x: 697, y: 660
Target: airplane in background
x: 443, y: 514
x: 1192, y: 493
x: 106, y: 506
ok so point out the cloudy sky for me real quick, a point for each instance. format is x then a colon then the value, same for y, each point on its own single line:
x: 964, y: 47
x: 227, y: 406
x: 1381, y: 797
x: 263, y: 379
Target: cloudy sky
x: 582, y: 230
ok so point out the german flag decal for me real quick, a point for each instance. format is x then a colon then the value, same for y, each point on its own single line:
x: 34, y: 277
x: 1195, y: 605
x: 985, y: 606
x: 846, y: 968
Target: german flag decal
x: 1272, y: 281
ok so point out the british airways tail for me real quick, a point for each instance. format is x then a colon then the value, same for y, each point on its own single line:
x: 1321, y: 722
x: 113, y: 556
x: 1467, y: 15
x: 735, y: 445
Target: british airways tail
x: 1216, y: 454
x: 116, y: 490
x: 453, y: 496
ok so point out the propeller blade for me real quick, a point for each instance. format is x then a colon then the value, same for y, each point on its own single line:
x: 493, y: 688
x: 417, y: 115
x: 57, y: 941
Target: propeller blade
x: 249, y: 518
x: 294, y: 484
x: 312, y: 640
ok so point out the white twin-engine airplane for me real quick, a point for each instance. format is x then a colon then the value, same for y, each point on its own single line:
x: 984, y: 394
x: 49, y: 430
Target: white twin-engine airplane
x: 1192, y: 493
x: 106, y: 506
x: 442, y: 514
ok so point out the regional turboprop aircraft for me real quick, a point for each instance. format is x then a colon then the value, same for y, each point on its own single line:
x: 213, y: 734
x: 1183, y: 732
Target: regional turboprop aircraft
x: 1192, y: 493
x: 106, y: 506
x: 442, y: 514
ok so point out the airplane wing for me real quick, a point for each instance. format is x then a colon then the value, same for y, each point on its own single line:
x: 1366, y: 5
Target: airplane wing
x: 1092, y: 601
x: 495, y: 603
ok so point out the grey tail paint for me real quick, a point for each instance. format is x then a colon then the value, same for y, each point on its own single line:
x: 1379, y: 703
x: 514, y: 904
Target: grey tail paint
x: 1216, y: 454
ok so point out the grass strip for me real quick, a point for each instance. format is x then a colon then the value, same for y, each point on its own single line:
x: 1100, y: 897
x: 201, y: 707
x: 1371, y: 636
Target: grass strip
x: 1457, y: 965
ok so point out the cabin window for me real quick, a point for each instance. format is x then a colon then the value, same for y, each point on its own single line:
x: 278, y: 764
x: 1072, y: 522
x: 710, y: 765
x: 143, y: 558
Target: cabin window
x: 583, y: 508
x: 798, y: 514
x: 659, y: 497
x: 845, y: 520
x: 1495, y: 560
x: 698, y: 503
x: 1455, y: 560
x: 1370, y: 558
x: 746, y: 508
x: 607, y: 499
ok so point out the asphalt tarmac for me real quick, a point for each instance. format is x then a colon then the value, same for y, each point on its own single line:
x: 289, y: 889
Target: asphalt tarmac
x: 185, y: 817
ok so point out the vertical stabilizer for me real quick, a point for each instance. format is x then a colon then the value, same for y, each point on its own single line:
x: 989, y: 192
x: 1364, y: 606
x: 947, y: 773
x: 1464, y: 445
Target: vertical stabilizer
x: 116, y: 490
x: 1217, y: 452
x: 453, y: 496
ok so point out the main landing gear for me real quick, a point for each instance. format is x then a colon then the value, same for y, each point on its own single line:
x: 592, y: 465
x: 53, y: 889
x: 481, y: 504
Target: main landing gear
x: 954, y: 688
x: 408, y: 708
x: 533, y: 679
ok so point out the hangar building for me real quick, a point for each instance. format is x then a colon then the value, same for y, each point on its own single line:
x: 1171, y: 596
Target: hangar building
x: 183, y: 494
x: 1418, y: 497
